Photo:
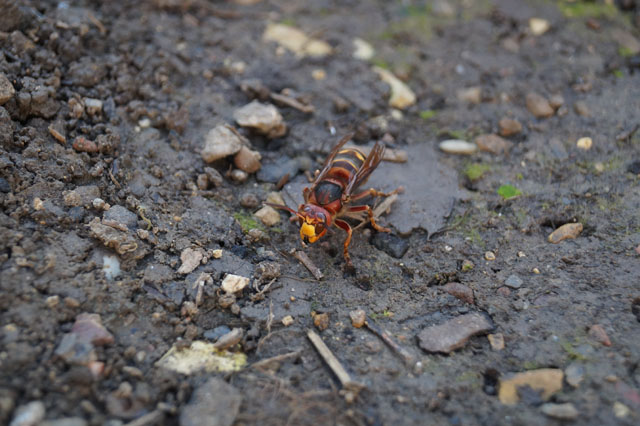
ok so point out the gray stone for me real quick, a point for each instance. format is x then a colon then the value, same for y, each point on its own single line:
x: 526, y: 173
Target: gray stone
x: 454, y: 333
x: 565, y: 411
x: 6, y: 89
x: 30, y: 414
x: 67, y: 421
x: 215, y: 403
x: 574, y: 374
x: 513, y: 281
x: 122, y: 215
x: 273, y: 172
x: 391, y: 244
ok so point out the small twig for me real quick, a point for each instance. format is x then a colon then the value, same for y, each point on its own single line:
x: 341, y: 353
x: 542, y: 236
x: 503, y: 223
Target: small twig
x: 292, y: 102
x: 114, y: 180
x: 267, y: 363
x: 350, y: 386
x: 97, y: 23
x: 154, y: 417
x: 260, y: 294
x: 304, y: 259
x: 147, y: 221
x: 626, y: 136
x: 403, y: 353
x: 269, y: 322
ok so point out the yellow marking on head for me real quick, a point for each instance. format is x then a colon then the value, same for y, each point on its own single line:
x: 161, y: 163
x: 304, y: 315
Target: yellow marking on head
x: 309, y: 231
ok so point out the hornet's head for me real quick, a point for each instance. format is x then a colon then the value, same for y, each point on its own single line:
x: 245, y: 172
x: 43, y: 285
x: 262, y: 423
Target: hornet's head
x: 314, y: 221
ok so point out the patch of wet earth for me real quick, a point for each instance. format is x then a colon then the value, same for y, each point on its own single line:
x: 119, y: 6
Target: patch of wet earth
x: 138, y: 139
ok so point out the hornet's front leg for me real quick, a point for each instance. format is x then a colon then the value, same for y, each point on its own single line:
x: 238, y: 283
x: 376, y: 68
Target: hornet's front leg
x: 345, y: 226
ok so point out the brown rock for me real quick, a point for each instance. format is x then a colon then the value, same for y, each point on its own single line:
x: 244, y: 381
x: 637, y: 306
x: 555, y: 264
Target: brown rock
x: 493, y: 143
x: 263, y: 118
x: 597, y: 333
x: 459, y: 291
x: 509, y: 127
x: 268, y: 215
x: 321, y: 321
x: 82, y: 144
x: 6, y: 89
x: 568, y: 230
x: 547, y: 381
x: 89, y: 328
x: 496, y: 341
x: 454, y: 333
x: 581, y: 108
x: 358, y: 318
x: 556, y: 101
x: 247, y: 160
x: 539, y: 106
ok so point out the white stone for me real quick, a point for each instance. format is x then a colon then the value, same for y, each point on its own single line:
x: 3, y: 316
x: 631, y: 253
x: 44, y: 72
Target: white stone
x: 296, y: 41
x: 456, y: 146
x: 362, y: 49
x: 220, y: 142
x: 234, y: 283
x: 401, y: 95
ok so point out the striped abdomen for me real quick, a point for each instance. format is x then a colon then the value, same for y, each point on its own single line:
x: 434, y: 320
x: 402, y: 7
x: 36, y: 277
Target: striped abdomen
x: 346, y: 164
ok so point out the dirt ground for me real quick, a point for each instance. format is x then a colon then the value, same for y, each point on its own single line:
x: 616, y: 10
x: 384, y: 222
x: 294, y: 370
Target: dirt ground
x: 116, y: 235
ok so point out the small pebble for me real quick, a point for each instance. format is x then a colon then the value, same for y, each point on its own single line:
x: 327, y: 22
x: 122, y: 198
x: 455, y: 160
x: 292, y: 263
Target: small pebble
x: 358, y: 318
x: 230, y: 339
x: 489, y: 255
x: 321, y: 321
x: 574, y: 374
x: 513, y: 281
x: 467, y: 265
x: 202, y: 181
x: 30, y: 414
x: 568, y: 230
x: 401, y: 95
x: 509, y: 127
x: 268, y: 215
x: 275, y: 198
x: 459, y: 291
x: 538, y: 105
x: 239, y: 176
x: 6, y: 88
x: 82, y: 144
x: 219, y: 143
x: 565, y: 411
x: 362, y: 49
x: 584, y: 143
x: 493, y: 144
x: 287, y: 321
x: 455, y: 146
x: 247, y: 160
x: 263, y: 118
x: 319, y: 74
x: 472, y: 95
x: 234, y: 283
x: 535, y: 270
x: 249, y: 200
x: 52, y: 301
x: 556, y: 101
x: 581, y: 108
x: 538, y: 26
x: 597, y: 333
x: 620, y: 410
x: 504, y: 291
x: 496, y: 341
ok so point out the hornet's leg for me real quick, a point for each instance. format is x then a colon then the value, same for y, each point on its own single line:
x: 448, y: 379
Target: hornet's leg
x: 371, y: 218
x: 375, y: 193
x: 344, y: 225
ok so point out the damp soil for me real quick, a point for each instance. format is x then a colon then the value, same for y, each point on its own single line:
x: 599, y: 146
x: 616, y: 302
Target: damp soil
x: 110, y: 105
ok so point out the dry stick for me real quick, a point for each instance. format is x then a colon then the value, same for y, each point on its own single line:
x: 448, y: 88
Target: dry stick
x: 304, y: 259
x: 403, y: 353
x: 265, y: 363
x: 152, y: 418
x: 347, y: 383
x: 292, y: 102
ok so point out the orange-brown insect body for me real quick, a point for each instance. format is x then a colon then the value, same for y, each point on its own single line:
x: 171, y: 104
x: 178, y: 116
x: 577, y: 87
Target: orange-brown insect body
x: 329, y: 196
